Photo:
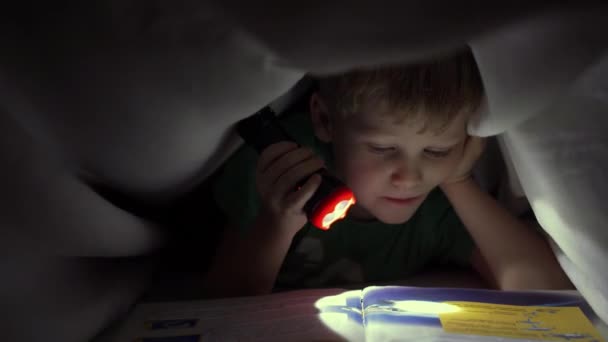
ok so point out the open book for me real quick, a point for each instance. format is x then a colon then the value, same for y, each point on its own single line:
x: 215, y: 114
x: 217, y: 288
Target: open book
x: 386, y: 313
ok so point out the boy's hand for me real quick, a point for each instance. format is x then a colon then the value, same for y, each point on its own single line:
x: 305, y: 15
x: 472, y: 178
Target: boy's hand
x: 280, y: 168
x: 473, y: 148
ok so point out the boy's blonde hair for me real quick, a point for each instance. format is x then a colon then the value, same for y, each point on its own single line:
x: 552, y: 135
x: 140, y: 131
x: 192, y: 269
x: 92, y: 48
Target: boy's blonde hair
x: 434, y: 91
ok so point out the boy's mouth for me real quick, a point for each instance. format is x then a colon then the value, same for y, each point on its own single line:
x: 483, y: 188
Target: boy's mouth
x: 402, y: 200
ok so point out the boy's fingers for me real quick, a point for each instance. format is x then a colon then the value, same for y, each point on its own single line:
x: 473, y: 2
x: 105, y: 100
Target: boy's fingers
x: 289, y: 180
x: 272, y: 153
x: 297, y: 199
x: 286, y: 162
x: 263, y: 186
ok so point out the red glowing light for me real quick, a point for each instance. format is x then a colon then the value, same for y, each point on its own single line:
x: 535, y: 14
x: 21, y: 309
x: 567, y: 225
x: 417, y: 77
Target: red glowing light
x: 333, y: 208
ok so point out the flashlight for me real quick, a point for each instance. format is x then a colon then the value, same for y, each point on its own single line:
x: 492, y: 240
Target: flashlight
x: 332, y: 199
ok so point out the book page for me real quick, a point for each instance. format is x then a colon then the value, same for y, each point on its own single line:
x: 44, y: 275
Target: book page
x: 547, y: 323
x: 288, y: 316
x: 342, y: 313
x: 429, y: 314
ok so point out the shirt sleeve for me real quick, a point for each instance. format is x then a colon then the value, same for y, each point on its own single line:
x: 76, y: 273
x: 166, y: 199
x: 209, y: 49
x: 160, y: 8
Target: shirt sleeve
x: 455, y: 243
x: 234, y: 189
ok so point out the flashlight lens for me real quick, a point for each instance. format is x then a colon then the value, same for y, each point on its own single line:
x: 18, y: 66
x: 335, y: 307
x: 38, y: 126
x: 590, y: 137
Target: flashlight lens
x: 338, y: 213
x: 333, y: 208
x: 328, y: 220
x: 341, y: 206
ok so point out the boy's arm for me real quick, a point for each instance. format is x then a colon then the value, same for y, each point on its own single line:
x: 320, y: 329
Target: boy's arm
x: 516, y: 256
x: 248, y: 263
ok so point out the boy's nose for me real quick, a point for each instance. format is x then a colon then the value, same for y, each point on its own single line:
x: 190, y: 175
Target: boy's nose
x: 406, y: 176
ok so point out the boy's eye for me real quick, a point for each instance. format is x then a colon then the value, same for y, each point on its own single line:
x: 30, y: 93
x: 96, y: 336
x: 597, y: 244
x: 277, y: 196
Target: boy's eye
x: 437, y: 153
x: 380, y: 149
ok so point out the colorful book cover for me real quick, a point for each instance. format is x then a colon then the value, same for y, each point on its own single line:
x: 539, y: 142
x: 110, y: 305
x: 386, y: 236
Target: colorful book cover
x: 430, y: 314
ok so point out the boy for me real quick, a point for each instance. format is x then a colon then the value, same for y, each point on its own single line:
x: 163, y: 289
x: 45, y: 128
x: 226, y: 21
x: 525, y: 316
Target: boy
x: 397, y: 137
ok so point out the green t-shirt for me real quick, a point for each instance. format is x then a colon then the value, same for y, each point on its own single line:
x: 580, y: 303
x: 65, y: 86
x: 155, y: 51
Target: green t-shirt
x: 351, y: 251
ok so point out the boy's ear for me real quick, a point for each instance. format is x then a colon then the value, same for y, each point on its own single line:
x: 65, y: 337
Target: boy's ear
x: 321, y: 121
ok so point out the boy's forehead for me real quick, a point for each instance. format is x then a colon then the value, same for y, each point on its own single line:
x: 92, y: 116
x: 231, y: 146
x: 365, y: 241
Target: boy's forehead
x: 380, y: 123
x: 369, y: 123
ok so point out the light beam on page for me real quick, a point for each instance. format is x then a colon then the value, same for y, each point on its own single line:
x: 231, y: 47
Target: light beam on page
x: 342, y: 314
x: 419, y: 307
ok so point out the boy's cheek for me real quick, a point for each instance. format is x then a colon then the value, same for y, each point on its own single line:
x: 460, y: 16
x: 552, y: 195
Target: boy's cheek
x: 356, y: 172
x: 352, y: 163
x: 360, y: 175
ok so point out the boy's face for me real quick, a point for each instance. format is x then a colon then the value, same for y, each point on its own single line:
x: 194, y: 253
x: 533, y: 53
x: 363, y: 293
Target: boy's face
x: 391, y: 166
